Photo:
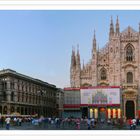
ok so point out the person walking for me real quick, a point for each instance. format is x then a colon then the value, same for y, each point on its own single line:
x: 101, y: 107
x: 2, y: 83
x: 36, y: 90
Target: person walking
x: 2, y: 121
x: 78, y: 124
x: 134, y: 123
x: 92, y: 122
x: 88, y: 123
x: 20, y: 121
x: 130, y: 123
x: 7, y: 120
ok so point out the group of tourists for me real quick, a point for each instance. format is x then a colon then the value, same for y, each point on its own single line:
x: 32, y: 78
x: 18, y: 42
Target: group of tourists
x: 8, y: 121
x: 70, y: 123
x: 133, y: 123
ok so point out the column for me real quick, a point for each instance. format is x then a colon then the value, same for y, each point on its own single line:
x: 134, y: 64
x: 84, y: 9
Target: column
x: 119, y: 113
x: 16, y: 89
x: 8, y: 92
x: 124, y: 114
x: 91, y: 113
x: 8, y: 109
x: 135, y: 108
x: 15, y: 108
x: 114, y: 113
x: 109, y: 113
x: 1, y: 93
x: 2, y: 110
x: 95, y: 113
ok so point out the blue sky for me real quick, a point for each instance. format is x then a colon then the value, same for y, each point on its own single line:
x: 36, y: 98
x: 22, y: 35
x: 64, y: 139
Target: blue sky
x: 39, y: 43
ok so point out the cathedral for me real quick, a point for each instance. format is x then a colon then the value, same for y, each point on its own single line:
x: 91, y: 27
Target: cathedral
x: 116, y: 64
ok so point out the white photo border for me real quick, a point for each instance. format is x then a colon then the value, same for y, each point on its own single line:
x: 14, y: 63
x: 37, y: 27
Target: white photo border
x: 70, y: 5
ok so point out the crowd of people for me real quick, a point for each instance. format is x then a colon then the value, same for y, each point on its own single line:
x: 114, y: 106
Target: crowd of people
x: 67, y: 123
x: 7, y: 121
x: 133, y: 123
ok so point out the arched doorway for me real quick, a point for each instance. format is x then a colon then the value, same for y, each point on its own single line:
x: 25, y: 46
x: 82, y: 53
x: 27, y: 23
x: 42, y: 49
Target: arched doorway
x: 102, y: 113
x: 130, y: 109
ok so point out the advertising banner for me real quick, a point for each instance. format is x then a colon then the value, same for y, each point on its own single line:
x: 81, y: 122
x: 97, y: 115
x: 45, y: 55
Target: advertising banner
x: 100, y: 96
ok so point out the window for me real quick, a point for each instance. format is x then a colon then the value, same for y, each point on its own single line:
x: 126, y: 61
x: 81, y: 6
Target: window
x: 129, y: 77
x: 4, y: 96
x: 26, y: 97
x: 18, y: 97
x: 12, y: 96
x: 23, y: 97
x: 103, y: 74
x: 129, y: 53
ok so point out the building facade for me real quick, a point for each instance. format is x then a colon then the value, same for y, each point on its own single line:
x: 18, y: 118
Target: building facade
x: 116, y: 64
x: 26, y: 95
x: 72, y: 101
x: 60, y: 102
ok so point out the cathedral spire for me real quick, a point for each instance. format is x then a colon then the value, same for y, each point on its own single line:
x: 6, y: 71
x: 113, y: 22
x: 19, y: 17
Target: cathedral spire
x: 117, y: 27
x: 94, y: 42
x: 83, y: 65
x: 78, y: 56
x: 98, y: 48
x: 73, y: 59
x: 111, y: 33
x: 139, y: 28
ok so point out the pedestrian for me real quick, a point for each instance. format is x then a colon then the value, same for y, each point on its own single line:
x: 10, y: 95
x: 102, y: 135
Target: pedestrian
x: 134, y: 123
x: 45, y: 123
x: 15, y: 121
x: 137, y: 122
x: 78, y: 124
x: 88, y: 123
x: 108, y: 122
x: 8, y: 119
x: 20, y: 120
x: 2, y: 121
x: 130, y: 123
x: 92, y: 122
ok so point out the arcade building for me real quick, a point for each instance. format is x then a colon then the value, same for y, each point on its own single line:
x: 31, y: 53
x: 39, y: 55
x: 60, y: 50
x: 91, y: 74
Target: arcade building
x: 24, y: 95
x: 116, y: 64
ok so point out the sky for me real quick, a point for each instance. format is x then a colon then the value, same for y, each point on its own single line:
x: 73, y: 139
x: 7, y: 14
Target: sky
x: 39, y: 43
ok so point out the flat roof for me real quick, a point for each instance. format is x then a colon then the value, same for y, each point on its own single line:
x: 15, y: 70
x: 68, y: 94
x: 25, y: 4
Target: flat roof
x: 12, y: 72
x: 94, y: 87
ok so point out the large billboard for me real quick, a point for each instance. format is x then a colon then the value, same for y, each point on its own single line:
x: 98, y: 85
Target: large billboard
x: 100, y: 96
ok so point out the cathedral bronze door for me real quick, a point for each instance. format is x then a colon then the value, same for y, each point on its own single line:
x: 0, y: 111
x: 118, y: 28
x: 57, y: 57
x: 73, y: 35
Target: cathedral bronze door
x: 130, y: 109
x: 102, y: 113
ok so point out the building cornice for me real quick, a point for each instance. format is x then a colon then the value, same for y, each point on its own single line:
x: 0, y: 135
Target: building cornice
x: 25, y: 77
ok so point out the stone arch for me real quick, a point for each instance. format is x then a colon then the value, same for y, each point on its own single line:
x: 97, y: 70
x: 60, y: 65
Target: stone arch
x: 130, y: 109
x: 103, y: 74
x: 86, y: 85
x: 5, y: 110
x: 129, y: 77
x: 12, y: 109
x: 129, y: 52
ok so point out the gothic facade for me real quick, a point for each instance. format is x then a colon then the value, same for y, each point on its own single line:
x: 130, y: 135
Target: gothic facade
x: 116, y: 64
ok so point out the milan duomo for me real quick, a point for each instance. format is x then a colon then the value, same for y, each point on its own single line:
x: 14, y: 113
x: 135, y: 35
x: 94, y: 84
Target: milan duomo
x: 116, y: 64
